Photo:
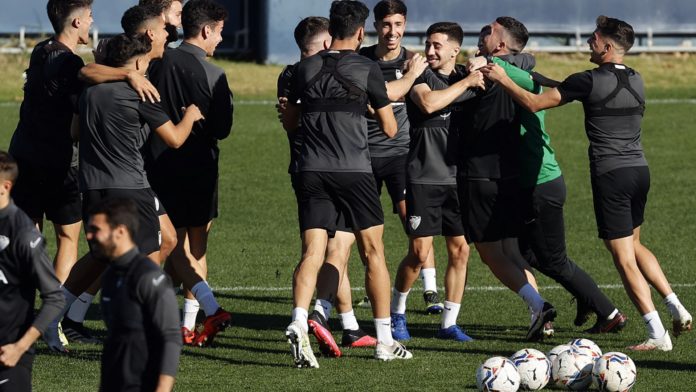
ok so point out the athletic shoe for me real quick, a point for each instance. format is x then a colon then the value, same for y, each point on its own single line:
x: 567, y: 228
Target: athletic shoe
x: 300, y: 348
x: 398, y: 327
x: 583, y: 313
x: 548, y: 330
x: 614, y: 325
x: 319, y: 327
x: 357, y: 338
x: 682, y: 322
x: 663, y: 344
x: 395, y: 351
x: 188, y: 336
x: 547, y: 313
x: 211, y: 326
x: 364, y: 303
x: 432, y: 302
x: 61, y: 335
x: 453, y: 332
x: 77, y: 333
x: 53, y: 340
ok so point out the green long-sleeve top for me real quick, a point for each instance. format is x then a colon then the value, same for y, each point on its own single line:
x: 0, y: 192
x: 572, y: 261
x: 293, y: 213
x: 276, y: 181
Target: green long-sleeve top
x: 537, y: 159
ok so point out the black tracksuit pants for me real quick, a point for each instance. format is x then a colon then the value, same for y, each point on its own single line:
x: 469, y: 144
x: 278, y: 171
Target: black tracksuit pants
x: 542, y: 244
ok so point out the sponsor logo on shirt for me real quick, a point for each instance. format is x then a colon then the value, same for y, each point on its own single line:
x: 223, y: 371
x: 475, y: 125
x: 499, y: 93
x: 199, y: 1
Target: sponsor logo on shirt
x: 34, y: 243
x: 3, y: 279
x: 399, y: 74
x: 4, y: 242
x: 157, y: 281
x: 414, y: 221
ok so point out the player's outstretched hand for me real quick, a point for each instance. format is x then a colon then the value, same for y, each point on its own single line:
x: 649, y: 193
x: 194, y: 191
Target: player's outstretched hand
x: 475, y: 80
x: 193, y: 112
x: 10, y: 354
x: 417, y: 64
x: 475, y: 63
x: 494, y: 72
x: 143, y: 87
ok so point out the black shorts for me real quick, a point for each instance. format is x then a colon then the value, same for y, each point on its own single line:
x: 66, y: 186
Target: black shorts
x: 18, y: 378
x: 54, y: 193
x: 489, y: 209
x: 324, y: 196
x: 341, y: 224
x: 392, y: 172
x: 433, y: 210
x: 149, y: 237
x: 191, y: 199
x: 619, y: 198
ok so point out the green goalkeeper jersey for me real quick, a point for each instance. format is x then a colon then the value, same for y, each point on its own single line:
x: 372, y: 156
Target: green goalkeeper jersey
x: 537, y: 158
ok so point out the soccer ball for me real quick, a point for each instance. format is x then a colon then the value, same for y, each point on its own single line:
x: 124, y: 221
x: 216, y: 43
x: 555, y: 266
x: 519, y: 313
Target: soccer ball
x: 588, y: 346
x: 534, y: 368
x: 497, y: 374
x: 572, y: 369
x: 553, y: 353
x: 614, y: 372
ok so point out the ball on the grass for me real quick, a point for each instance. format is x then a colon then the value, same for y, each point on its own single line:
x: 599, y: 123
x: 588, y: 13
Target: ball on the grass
x: 614, y: 372
x: 534, y: 369
x: 497, y: 374
x: 572, y: 369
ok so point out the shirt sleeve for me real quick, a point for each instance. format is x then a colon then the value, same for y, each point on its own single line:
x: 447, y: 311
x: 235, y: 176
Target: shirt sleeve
x: 31, y: 248
x: 72, y: 84
x: 377, y: 88
x: 155, y: 292
x: 295, y: 88
x: 221, y: 111
x: 576, y: 87
x: 521, y: 77
x: 153, y: 114
x: 285, y: 82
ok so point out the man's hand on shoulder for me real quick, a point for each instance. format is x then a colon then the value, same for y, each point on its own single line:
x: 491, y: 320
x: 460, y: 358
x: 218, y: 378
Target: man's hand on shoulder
x: 416, y: 65
x: 145, y: 89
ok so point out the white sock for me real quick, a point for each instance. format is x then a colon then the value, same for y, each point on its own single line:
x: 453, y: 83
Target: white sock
x: 300, y: 314
x: 348, y: 321
x: 449, y: 314
x: 613, y: 314
x: 531, y: 297
x: 79, y: 308
x: 191, y: 308
x: 383, y: 330
x: 654, y: 325
x: 323, y: 307
x: 398, y: 303
x: 673, y: 305
x: 429, y: 281
x: 205, y: 298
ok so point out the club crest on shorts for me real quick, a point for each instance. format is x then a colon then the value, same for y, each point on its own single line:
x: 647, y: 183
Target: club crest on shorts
x: 414, y: 221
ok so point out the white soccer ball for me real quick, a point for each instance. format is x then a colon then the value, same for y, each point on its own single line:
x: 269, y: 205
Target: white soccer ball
x: 586, y: 345
x: 497, y: 374
x: 572, y: 369
x: 614, y: 372
x: 534, y: 369
x: 553, y: 353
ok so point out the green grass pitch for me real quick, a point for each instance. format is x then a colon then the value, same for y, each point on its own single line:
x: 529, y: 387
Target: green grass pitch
x: 254, y: 247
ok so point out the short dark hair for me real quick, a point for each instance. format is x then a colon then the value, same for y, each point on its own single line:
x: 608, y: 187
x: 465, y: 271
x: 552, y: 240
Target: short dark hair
x: 517, y: 31
x: 346, y: 17
x: 308, y: 28
x: 453, y: 31
x: 617, y: 30
x: 164, y: 4
x: 389, y: 7
x: 200, y: 13
x: 122, y: 48
x: 118, y: 211
x: 60, y: 10
x: 8, y: 167
x: 136, y: 17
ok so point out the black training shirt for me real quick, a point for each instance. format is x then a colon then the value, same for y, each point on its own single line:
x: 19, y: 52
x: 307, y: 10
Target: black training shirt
x: 615, y: 141
x: 336, y: 141
x: 24, y: 268
x: 294, y: 137
x: 51, y: 93
x: 380, y: 145
x: 114, y: 124
x: 142, y: 321
x: 432, y: 154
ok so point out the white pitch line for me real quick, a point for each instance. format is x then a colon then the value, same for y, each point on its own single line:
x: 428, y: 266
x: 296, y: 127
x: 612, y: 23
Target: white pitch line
x: 471, y: 288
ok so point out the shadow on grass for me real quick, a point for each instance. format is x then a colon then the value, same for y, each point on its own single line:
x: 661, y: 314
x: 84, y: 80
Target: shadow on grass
x: 256, y: 298
x: 207, y: 355
x: 665, y: 365
x: 82, y: 352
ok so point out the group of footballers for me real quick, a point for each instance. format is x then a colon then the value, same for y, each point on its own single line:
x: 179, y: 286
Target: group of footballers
x: 462, y: 149
x: 111, y: 145
x: 463, y: 152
